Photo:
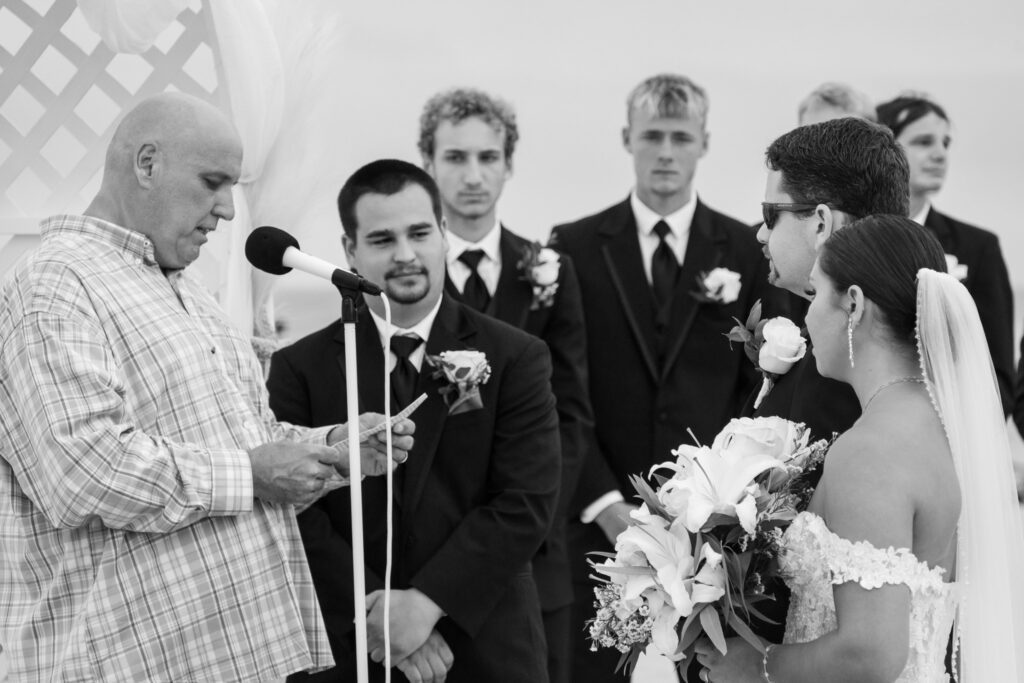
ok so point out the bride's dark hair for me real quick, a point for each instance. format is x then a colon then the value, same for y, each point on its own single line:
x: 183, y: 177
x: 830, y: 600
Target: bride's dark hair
x: 882, y: 254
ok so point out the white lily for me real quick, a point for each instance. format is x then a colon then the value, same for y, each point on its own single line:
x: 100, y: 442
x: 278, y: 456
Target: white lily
x: 717, y: 481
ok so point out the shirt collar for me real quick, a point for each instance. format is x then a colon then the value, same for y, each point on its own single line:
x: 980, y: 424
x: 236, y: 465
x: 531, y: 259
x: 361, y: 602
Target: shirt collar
x: 420, y: 329
x: 132, y: 243
x: 678, y: 221
x: 922, y: 215
x: 490, y: 244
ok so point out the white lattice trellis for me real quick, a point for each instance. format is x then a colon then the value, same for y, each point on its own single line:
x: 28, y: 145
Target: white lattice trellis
x: 62, y: 91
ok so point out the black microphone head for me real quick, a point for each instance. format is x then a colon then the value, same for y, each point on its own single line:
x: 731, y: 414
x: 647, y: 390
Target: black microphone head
x: 265, y: 247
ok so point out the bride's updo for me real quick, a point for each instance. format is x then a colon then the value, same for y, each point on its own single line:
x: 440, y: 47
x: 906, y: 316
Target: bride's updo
x: 882, y: 254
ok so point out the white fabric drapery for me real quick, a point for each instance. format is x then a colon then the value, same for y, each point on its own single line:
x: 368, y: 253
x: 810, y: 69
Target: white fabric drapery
x: 130, y: 25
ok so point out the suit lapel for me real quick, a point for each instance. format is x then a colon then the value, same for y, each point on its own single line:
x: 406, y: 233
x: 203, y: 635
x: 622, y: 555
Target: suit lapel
x: 450, y: 288
x: 450, y: 331
x: 942, y: 230
x: 621, y: 251
x: 703, y: 253
x: 512, y: 299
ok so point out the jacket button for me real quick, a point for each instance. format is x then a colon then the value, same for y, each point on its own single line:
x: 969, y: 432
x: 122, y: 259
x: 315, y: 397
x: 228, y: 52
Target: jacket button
x: 663, y: 417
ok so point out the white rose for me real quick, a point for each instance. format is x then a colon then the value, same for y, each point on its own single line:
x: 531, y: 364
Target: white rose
x: 545, y: 273
x: 750, y: 436
x: 955, y: 268
x: 783, y: 346
x: 723, y: 285
x: 465, y: 366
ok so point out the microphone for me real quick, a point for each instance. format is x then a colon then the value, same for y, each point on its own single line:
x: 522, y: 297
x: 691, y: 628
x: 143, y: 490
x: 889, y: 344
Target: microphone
x: 275, y: 251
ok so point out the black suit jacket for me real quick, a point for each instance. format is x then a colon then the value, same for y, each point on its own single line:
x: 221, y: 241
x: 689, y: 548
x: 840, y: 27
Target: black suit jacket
x: 643, y: 410
x: 474, y: 503
x: 560, y: 326
x: 989, y: 284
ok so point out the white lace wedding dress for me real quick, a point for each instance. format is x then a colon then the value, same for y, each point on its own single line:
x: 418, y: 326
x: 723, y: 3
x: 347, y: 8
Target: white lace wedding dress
x: 813, y: 559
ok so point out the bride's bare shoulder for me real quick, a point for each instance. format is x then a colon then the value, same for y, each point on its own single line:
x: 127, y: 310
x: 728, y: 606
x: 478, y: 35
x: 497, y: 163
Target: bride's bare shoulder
x: 889, y: 450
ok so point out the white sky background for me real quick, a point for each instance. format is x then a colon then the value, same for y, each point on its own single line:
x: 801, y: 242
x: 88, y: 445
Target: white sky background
x: 567, y: 66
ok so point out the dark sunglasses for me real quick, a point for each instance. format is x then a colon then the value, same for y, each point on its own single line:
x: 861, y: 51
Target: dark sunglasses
x: 770, y: 211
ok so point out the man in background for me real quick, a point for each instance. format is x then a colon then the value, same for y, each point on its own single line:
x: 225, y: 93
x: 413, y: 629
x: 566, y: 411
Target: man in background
x: 662, y: 277
x: 467, y: 141
x: 147, y: 516
x: 832, y: 101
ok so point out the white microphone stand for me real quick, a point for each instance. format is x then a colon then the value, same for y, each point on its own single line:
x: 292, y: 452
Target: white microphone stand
x: 348, y: 319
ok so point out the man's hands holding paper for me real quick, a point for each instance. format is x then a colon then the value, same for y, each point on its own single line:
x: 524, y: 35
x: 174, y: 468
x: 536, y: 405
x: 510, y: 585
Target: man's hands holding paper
x: 289, y: 472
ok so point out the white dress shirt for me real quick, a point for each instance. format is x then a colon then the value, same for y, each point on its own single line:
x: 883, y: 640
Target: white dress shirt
x: 921, y: 216
x: 489, y: 266
x: 420, y: 329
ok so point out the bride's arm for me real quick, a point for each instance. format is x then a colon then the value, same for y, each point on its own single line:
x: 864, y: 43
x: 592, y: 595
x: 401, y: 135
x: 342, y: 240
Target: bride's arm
x: 867, y: 500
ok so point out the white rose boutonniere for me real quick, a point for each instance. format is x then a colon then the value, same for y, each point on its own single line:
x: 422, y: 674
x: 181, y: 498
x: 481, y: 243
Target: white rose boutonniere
x: 540, y: 267
x: 955, y: 268
x: 464, y: 371
x: 720, y: 286
x: 773, y: 346
x: 783, y: 345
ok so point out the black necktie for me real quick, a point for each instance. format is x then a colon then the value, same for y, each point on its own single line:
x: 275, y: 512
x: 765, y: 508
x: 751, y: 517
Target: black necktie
x: 474, y: 293
x: 404, y: 374
x: 664, y: 267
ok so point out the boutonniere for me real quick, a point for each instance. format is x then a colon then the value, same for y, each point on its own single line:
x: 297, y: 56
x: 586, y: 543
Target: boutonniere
x: 464, y: 372
x: 955, y: 268
x: 540, y: 267
x: 720, y: 286
x: 772, y: 345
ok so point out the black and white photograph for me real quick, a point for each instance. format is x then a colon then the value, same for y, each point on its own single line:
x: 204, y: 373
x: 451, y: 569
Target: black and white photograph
x: 562, y: 342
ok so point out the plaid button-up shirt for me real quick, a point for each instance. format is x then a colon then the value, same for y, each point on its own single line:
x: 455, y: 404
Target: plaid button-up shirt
x: 131, y: 548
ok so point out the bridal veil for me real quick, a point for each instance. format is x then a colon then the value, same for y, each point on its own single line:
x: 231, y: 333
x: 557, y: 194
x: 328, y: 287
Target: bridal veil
x: 990, y: 549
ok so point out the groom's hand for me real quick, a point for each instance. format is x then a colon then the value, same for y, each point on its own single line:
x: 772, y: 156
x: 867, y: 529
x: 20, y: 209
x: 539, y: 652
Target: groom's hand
x: 614, y: 519
x: 429, y: 664
x: 412, y: 619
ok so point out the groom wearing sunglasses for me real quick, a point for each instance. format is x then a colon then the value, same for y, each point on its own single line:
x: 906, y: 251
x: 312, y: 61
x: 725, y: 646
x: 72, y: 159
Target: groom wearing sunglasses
x: 821, y: 177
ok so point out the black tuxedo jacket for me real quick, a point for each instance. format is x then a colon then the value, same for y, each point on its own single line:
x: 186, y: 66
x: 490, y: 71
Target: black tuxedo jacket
x: 560, y: 326
x: 643, y: 410
x: 989, y: 284
x: 474, y: 501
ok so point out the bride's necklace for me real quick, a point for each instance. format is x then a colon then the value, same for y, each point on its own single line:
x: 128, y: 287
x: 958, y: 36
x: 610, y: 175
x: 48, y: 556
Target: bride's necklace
x: 898, y: 380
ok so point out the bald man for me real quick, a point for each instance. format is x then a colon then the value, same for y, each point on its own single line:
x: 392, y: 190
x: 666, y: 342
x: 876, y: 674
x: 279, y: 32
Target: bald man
x: 147, y: 494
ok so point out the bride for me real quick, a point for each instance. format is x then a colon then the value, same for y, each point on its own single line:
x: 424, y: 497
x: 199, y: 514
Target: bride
x: 914, y: 531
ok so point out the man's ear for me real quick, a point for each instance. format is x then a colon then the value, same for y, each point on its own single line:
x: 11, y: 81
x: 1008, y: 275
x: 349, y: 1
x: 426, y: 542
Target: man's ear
x: 146, y: 163
x: 707, y: 143
x: 428, y: 165
x: 349, y: 245
x: 625, y: 139
x: 825, y: 223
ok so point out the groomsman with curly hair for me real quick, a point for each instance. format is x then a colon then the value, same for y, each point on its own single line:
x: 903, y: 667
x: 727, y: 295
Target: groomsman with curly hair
x: 467, y: 141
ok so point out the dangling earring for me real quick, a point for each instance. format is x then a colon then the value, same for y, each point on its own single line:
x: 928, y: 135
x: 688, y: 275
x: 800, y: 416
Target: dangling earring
x: 849, y: 336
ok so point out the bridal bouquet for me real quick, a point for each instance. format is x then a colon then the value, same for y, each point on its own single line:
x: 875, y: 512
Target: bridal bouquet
x: 695, y: 555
